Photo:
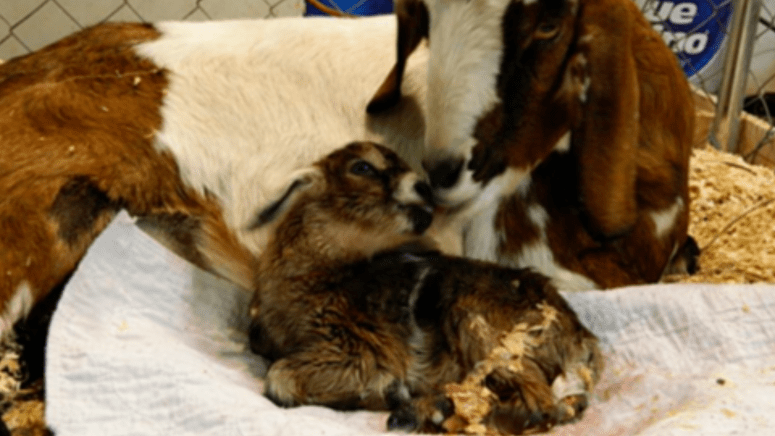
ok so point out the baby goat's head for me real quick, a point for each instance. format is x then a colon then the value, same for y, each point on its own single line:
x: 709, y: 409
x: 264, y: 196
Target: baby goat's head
x: 354, y: 202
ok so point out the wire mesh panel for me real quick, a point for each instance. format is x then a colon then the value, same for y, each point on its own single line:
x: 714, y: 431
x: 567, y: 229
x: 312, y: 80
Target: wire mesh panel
x: 27, y: 25
x: 760, y: 87
x: 696, y: 30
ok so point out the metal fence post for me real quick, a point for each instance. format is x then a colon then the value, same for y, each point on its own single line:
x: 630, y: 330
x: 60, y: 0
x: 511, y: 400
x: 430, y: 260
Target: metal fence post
x: 726, y: 123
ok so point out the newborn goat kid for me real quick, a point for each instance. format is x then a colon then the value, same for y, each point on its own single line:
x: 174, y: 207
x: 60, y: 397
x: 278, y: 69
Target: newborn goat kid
x: 357, y: 310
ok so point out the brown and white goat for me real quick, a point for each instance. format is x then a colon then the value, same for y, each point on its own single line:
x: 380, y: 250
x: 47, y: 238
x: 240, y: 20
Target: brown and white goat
x: 185, y: 124
x: 558, y: 130
x: 356, y: 309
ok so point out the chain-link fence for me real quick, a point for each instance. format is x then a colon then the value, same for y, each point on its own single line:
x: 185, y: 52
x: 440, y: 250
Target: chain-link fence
x: 27, y: 25
x: 760, y: 85
x: 699, y: 32
x: 696, y: 30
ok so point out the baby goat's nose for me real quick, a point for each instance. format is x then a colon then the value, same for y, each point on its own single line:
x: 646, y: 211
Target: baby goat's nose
x: 443, y: 173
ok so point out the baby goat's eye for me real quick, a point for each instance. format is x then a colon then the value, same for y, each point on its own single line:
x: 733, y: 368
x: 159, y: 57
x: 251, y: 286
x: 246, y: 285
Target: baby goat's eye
x: 363, y: 168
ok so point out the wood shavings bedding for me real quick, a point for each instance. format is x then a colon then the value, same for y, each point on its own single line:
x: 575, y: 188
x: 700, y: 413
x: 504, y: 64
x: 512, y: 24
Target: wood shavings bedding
x: 732, y: 217
x: 21, y: 407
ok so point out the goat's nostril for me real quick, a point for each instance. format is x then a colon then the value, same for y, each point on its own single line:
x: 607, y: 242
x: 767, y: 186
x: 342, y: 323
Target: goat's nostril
x: 444, y: 173
x: 424, y: 191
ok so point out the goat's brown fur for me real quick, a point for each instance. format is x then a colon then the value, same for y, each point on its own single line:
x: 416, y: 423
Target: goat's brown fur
x: 596, y: 69
x: 77, y: 126
x: 356, y: 309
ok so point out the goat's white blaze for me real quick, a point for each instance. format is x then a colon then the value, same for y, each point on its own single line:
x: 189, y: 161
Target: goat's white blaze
x: 538, y: 255
x: 664, y: 220
x: 466, y: 48
x: 17, y: 307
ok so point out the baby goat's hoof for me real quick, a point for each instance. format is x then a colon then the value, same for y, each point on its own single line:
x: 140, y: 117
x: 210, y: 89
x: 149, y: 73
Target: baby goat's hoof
x: 444, y: 409
x: 425, y: 415
x: 432, y: 412
x: 571, y: 408
x: 402, y: 419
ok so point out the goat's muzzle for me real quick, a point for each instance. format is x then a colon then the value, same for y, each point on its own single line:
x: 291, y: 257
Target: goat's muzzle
x: 443, y: 173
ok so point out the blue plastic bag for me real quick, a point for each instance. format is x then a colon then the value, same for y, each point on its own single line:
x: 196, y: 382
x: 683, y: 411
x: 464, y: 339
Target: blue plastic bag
x: 354, y: 7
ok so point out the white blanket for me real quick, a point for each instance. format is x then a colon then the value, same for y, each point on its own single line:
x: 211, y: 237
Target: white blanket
x: 144, y: 343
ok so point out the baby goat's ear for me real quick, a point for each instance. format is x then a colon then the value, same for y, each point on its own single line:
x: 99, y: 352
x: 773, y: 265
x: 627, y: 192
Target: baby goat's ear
x: 302, y: 181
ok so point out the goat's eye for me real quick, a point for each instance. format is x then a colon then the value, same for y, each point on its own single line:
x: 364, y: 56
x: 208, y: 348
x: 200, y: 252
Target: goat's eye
x: 363, y: 168
x: 547, y: 30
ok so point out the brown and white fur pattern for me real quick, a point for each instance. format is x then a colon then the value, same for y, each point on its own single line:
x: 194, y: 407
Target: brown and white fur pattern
x: 357, y: 310
x: 187, y: 125
x: 558, y: 131
x: 196, y: 125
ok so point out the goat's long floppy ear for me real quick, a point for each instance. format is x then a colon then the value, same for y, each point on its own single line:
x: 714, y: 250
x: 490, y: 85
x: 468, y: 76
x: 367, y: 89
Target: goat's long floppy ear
x: 607, y: 138
x: 275, y: 209
x: 412, y: 16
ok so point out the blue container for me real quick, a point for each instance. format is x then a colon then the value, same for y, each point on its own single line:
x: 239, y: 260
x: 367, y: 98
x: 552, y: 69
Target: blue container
x: 355, y: 7
x: 696, y: 30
